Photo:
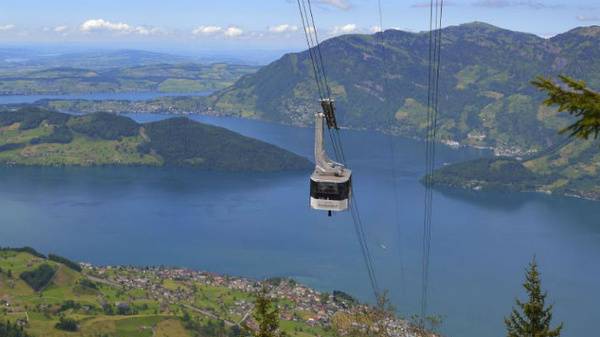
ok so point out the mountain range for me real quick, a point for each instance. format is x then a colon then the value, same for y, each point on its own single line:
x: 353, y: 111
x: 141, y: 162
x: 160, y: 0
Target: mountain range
x: 380, y: 82
x: 487, y: 100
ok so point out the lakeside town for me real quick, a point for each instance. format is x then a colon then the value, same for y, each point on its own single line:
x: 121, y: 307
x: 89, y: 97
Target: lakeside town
x: 296, y: 302
x: 39, y: 292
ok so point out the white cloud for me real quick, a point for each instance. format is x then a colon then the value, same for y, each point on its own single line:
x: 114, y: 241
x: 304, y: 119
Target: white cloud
x: 310, y: 30
x: 142, y: 30
x: 340, y: 4
x: 345, y: 29
x: 532, y: 4
x: 375, y: 29
x: 7, y: 28
x: 233, y: 31
x: 447, y: 3
x: 285, y: 28
x: 103, y: 25
x: 588, y: 18
x: 60, y: 29
x: 207, y: 30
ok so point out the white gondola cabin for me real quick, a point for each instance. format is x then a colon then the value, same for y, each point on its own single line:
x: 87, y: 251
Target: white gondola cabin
x: 331, y: 182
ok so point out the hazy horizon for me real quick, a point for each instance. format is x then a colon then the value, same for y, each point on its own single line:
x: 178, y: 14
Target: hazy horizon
x: 249, y: 54
x: 268, y: 25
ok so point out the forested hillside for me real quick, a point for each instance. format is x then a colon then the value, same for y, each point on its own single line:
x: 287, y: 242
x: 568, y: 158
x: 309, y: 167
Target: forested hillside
x: 38, y: 137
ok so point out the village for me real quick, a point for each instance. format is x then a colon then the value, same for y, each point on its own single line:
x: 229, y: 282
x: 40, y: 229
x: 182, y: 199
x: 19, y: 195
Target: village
x: 296, y: 302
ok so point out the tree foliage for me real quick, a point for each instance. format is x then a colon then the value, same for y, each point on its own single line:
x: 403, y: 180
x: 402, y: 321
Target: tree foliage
x: 532, y: 318
x: 104, y: 126
x: 38, y: 278
x: 28, y: 250
x: 8, y: 329
x: 368, y: 321
x: 576, y: 99
x: 67, y: 324
x: 71, y: 264
x: 60, y: 135
x: 266, y: 316
x: 500, y: 173
x: 183, y: 142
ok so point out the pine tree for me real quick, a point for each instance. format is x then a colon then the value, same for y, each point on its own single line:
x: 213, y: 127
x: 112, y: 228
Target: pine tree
x: 266, y: 316
x: 532, y: 318
x: 578, y: 100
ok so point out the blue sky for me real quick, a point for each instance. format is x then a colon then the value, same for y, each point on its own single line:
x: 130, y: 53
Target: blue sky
x: 260, y: 24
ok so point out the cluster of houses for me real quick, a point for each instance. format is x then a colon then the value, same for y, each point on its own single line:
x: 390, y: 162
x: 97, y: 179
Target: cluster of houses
x: 296, y: 302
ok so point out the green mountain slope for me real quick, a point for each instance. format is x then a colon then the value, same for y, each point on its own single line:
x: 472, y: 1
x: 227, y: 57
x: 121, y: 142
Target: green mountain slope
x: 572, y: 169
x: 38, y: 137
x: 486, y: 96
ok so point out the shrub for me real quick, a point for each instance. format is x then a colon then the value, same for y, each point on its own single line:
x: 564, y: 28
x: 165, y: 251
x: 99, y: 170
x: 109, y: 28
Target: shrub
x: 11, y: 146
x: 38, y: 278
x: 88, y: 284
x: 11, y: 330
x: 67, y: 324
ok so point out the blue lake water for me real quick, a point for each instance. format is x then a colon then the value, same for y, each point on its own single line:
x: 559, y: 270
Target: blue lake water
x: 260, y: 225
x: 136, y: 96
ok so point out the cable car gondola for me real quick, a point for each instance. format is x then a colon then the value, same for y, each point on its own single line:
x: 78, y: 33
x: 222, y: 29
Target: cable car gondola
x: 331, y: 182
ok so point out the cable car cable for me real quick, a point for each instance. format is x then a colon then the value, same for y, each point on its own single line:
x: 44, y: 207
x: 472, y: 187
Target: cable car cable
x: 428, y: 163
x: 392, y: 145
x: 312, y: 41
x: 311, y: 34
x: 368, y: 258
x: 434, y: 70
x: 319, y: 51
x: 313, y: 63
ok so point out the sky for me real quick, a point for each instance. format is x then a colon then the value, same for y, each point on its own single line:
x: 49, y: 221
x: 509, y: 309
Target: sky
x: 260, y: 24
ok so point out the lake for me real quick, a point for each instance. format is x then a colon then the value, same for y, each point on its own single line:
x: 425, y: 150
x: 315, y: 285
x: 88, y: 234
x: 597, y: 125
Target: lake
x: 260, y: 225
x: 135, y: 96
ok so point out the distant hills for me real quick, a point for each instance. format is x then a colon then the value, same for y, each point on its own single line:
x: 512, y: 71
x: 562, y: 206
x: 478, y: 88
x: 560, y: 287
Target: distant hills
x: 158, y: 77
x: 46, y: 57
x: 39, y: 137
